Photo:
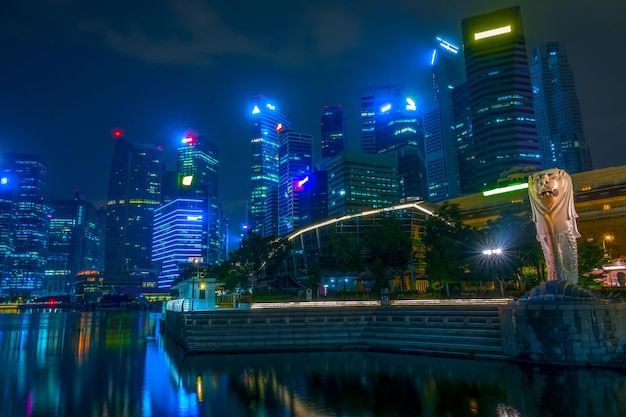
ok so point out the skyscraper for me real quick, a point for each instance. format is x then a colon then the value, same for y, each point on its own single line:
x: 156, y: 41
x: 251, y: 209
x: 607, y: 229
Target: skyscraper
x: 295, y: 167
x: 333, y: 128
x: 499, y: 95
x: 180, y: 232
x: 559, y: 121
x: 198, y: 163
x: 358, y: 181
x: 74, y: 242
x: 24, y: 180
x: 373, y: 99
x: 267, y: 121
x: 134, y: 193
x: 439, y: 135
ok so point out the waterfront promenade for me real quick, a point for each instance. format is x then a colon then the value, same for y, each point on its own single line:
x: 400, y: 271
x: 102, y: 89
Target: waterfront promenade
x: 569, y: 333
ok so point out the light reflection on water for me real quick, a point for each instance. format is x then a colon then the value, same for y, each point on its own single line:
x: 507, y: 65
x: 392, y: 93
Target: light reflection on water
x: 119, y: 364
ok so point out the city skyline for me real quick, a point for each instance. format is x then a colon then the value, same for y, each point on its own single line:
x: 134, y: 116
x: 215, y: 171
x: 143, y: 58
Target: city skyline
x: 75, y: 73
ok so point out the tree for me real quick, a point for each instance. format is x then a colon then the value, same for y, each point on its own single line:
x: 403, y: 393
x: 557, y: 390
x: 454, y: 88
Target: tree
x: 590, y: 257
x: 341, y: 254
x: 444, y: 237
x: 387, y: 250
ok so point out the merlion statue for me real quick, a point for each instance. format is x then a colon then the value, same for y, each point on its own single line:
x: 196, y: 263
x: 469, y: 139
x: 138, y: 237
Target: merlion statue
x: 552, y: 202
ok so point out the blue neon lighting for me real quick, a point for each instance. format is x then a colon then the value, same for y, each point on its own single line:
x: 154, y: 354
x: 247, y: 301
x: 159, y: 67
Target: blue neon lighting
x: 432, y: 58
x: 256, y: 110
x: 385, y: 108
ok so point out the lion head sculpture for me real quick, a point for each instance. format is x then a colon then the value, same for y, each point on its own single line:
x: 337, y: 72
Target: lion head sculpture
x: 552, y: 202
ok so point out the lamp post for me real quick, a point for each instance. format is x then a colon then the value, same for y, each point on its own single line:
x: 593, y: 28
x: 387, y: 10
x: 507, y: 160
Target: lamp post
x: 492, y: 255
x: 196, y: 262
x: 605, y: 239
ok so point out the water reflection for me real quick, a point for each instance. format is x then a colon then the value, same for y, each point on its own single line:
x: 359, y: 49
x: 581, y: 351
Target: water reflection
x: 119, y: 364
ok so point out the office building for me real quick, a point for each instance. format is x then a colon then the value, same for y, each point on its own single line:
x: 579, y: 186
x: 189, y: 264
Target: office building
x: 74, y: 243
x: 133, y: 195
x: 440, y: 148
x: 266, y: 122
x: 197, y: 164
x: 373, y: 99
x: 294, y: 193
x: 500, y: 95
x: 24, y: 224
x: 333, y: 129
x: 559, y: 121
x: 359, y: 181
x: 180, y: 233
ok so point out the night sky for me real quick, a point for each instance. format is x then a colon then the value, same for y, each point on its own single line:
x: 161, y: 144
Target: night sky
x: 73, y: 70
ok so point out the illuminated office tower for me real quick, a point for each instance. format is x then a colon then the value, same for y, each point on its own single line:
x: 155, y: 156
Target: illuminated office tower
x: 294, y: 171
x: 440, y: 150
x: 333, y: 127
x: 7, y: 225
x: 399, y: 134
x: 360, y: 181
x: 372, y: 100
x: 266, y: 122
x: 74, y: 243
x: 134, y: 193
x: 197, y: 163
x: 464, y: 141
x: 26, y: 177
x: 499, y: 95
x: 559, y: 121
x: 180, y: 232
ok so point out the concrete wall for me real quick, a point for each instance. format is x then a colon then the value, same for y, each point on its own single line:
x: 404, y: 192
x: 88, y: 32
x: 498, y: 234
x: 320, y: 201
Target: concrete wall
x: 467, y: 330
x: 592, y: 332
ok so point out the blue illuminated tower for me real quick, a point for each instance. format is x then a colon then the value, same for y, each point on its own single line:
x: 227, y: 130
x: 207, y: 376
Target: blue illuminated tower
x: 372, y: 100
x: 180, y: 232
x: 74, y: 242
x: 333, y: 129
x: 559, y: 120
x: 439, y: 131
x: 295, y: 166
x: 134, y: 193
x: 24, y: 180
x: 266, y: 120
x: 499, y: 95
x: 197, y: 163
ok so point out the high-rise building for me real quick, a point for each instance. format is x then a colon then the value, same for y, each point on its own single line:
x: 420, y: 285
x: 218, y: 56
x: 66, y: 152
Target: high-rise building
x: 464, y: 141
x: 500, y: 95
x: 399, y: 134
x: 359, y: 181
x: 267, y: 121
x: 180, y: 233
x: 74, y: 243
x: 559, y: 121
x: 197, y: 164
x: 295, y: 166
x: 333, y: 127
x: 25, y: 178
x: 373, y: 99
x: 440, y: 150
x: 134, y: 193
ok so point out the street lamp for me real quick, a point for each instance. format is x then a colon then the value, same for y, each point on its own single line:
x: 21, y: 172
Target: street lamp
x: 606, y: 238
x: 493, y: 254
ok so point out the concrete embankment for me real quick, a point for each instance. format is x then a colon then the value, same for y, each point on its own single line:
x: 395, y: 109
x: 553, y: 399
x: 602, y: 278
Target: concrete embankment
x: 456, y: 330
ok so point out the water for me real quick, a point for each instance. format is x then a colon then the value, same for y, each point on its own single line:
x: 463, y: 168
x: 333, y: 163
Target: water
x: 119, y: 364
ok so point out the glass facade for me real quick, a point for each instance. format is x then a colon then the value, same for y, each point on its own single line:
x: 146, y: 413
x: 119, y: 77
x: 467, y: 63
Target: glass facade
x: 266, y: 121
x: 500, y: 95
x: 133, y: 195
x: 559, y: 120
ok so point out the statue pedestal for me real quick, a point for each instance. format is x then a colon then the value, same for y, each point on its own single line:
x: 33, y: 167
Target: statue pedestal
x: 562, y: 323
